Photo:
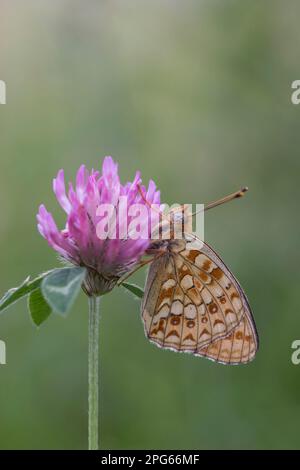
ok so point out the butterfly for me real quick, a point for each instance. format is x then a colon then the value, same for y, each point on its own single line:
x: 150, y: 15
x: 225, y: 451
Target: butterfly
x: 193, y: 303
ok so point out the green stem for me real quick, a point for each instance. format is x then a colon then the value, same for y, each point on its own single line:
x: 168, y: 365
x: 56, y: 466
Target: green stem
x: 93, y: 393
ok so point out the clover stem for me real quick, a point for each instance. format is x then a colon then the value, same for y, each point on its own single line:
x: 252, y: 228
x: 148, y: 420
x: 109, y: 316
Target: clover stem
x: 93, y: 392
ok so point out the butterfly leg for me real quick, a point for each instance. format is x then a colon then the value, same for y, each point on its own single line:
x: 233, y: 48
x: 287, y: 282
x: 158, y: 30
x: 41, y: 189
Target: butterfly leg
x: 140, y: 265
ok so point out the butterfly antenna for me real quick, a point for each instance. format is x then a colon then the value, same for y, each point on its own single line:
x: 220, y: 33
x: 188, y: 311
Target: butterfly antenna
x: 148, y: 203
x: 228, y: 198
x: 143, y: 196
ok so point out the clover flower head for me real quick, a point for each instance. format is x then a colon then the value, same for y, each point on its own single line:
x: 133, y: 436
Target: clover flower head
x: 106, y: 259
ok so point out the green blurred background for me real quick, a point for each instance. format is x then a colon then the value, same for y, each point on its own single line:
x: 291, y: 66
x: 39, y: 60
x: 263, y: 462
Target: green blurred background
x: 197, y: 95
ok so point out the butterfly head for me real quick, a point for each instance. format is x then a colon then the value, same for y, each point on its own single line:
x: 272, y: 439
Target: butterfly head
x: 173, y: 225
x: 180, y: 220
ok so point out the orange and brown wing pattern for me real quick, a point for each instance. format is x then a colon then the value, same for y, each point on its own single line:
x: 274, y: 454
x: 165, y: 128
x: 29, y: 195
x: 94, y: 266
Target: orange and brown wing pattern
x: 239, y: 347
x: 191, y: 299
x: 158, y: 299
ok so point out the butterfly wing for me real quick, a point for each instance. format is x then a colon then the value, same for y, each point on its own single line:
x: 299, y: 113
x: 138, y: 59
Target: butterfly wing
x: 192, y: 300
x: 239, y: 347
x: 158, y: 299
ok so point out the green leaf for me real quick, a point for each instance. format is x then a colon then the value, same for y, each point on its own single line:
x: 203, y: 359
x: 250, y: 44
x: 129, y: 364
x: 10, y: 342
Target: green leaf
x: 61, y: 287
x: 16, y: 293
x: 134, y: 289
x: 38, y: 307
